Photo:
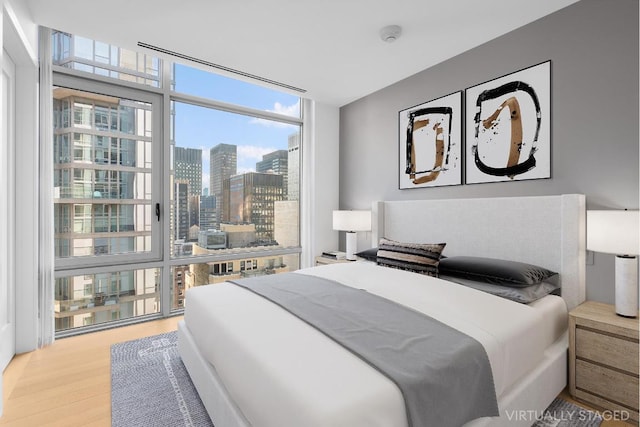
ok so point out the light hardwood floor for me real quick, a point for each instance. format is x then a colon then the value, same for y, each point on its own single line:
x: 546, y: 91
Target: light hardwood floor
x: 68, y: 384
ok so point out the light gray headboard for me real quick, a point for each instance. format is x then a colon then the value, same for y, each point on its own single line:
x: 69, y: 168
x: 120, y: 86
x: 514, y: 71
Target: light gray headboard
x: 544, y: 230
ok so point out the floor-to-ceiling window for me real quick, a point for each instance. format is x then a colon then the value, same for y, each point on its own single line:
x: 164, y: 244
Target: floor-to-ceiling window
x: 165, y: 177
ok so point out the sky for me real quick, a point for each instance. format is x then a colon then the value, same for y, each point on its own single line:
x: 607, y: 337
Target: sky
x: 204, y: 128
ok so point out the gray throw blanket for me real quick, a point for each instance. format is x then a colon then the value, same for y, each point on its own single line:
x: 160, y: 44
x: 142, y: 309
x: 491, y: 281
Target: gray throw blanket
x: 444, y: 375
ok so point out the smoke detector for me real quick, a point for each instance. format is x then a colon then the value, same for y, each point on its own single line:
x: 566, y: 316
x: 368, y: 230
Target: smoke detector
x: 390, y: 33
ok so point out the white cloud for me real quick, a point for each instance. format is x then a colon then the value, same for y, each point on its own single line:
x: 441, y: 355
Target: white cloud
x: 287, y: 110
x: 278, y: 108
x: 252, y: 153
x: 249, y: 155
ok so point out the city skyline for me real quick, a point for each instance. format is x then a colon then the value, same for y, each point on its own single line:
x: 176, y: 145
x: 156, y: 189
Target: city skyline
x: 205, y: 184
x: 106, y: 155
x: 204, y: 128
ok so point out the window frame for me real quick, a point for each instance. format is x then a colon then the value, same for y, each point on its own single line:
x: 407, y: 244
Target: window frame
x: 63, y: 78
x: 174, y: 96
x: 161, y: 99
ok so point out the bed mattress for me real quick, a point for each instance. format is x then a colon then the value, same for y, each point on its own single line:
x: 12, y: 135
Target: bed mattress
x: 282, y: 372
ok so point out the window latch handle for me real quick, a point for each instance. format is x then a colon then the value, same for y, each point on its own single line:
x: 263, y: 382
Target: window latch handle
x: 158, y: 211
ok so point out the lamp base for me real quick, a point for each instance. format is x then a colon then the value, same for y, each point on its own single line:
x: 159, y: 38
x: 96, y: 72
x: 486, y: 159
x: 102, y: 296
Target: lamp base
x: 627, y: 286
x: 352, y: 245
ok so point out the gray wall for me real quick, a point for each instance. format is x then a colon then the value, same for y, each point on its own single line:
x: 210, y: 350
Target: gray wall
x: 593, y: 48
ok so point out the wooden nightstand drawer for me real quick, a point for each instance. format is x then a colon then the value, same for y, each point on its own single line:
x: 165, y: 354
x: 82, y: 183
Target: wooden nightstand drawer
x: 606, y: 349
x: 615, y: 386
x: 603, y: 358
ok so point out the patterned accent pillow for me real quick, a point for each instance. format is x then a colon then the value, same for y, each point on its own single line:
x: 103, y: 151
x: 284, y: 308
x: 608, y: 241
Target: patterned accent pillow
x: 417, y: 257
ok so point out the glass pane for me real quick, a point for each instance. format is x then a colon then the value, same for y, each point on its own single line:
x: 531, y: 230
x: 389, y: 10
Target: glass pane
x: 103, y: 59
x: 102, y: 170
x: 187, y: 276
x: 240, y: 190
x: 204, y: 84
x: 102, y: 297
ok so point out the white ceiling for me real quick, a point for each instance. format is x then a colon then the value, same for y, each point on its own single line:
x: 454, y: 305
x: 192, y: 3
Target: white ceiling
x: 331, y: 48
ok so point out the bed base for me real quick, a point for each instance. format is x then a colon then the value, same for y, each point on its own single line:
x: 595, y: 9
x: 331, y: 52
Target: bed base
x: 221, y: 408
x: 519, y: 405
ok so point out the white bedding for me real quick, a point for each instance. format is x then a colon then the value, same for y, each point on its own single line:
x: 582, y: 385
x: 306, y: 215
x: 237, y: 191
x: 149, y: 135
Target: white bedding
x: 282, y: 372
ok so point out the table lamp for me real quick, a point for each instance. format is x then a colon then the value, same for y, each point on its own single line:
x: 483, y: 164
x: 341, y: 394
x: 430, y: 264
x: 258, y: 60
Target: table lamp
x: 616, y: 232
x: 352, y: 221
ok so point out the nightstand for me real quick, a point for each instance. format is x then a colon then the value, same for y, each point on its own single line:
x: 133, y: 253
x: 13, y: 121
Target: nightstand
x: 603, y: 358
x: 323, y: 260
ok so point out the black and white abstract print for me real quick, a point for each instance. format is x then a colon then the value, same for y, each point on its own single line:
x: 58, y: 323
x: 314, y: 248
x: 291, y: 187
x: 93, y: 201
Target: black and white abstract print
x: 508, y: 127
x: 430, y: 143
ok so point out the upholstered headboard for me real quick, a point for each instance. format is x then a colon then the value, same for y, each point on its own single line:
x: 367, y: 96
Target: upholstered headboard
x: 544, y: 230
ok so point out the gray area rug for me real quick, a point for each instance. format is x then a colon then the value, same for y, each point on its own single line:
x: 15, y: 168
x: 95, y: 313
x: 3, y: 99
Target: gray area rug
x: 150, y: 387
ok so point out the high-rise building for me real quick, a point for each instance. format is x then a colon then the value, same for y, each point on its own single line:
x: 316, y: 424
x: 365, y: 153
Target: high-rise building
x: 194, y: 210
x: 97, y: 144
x: 79, y: 53
x: 92, y: 175
x: 180, y: 285
x: 181, y: 200
x: 207, y: 213
x: 249, y: 198
x: 194, y: 231
x: 221, y: 271
x: 293, y: 167
x: 187, y: 167
x: 239, y: 235
x: 223, y: 164
x: 276, y: 162
x: 287, y: 228
x: 286, y: 223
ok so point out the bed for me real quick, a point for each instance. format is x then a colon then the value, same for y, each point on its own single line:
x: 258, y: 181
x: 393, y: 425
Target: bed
x: 255, y: 364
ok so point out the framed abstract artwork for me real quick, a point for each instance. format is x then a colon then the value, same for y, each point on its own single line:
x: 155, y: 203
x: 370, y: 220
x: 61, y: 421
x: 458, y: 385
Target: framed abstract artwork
x: 508, y: 127
x: 430, y: 142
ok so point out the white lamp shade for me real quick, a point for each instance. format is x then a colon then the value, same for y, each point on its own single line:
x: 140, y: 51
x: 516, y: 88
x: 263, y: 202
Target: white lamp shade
x: 352, y: 220
x: 613, y: 232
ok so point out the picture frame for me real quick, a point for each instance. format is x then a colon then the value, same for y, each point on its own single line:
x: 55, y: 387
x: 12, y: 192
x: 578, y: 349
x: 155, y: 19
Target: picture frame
x: 430, y: 143
x: 508, y: 127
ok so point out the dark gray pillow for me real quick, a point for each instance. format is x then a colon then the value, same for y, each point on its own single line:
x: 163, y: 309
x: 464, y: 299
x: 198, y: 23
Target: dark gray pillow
x: 417, y: 257
x: 496, y: 271
x: 523, y: 295
x: 369, y: 254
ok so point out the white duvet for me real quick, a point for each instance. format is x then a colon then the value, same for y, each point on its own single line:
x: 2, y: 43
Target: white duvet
x: 282, y: 372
